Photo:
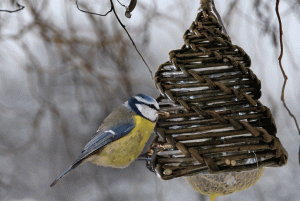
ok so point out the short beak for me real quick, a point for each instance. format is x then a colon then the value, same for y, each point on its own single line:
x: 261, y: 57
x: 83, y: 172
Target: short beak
x: 164, y: 113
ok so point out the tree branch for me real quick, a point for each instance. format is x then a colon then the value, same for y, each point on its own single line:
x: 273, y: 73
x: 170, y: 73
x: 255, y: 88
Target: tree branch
x: 13, y: 11
x: 283, y: 72
x: 112, y: 8
x: 133, y: 43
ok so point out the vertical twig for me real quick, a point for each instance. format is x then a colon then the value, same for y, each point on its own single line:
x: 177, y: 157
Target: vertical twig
x: 283, y: 72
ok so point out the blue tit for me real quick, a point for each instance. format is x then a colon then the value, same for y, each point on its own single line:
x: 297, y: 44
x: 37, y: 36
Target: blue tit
x: 122, y: 136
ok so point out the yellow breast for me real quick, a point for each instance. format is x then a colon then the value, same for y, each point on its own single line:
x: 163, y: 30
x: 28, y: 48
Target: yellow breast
x: 120, y: 153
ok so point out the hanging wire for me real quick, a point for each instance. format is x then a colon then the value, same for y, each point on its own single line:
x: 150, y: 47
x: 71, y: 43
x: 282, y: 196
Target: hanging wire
x: 218, y: 16
x: 256, y: 160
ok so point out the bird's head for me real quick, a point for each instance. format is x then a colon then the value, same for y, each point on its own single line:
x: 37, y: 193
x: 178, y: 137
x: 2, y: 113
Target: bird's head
x: 144, y: 106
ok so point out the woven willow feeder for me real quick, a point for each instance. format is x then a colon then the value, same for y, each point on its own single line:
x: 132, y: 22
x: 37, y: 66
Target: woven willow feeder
x: 217, y: 126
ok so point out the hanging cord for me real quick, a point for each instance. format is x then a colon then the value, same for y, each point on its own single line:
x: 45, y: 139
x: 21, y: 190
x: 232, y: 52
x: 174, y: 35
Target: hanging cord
x: 256, y: 159
x: 207, y: 5
x: 283, y: 72
x: 218, y: 16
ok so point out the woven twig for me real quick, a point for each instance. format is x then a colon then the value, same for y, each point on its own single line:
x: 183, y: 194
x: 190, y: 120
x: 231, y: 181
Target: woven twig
x: 216, y: 122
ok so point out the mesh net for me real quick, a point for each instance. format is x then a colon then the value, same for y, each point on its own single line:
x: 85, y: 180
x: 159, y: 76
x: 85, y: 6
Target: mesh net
x: 216, y: 185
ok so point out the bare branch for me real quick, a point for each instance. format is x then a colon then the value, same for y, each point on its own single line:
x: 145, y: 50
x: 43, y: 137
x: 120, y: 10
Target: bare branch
x: 121, y: 4
x: 20, y: 7
x: 123, y: 26
x: 111, y: 8
x: 282, y: 70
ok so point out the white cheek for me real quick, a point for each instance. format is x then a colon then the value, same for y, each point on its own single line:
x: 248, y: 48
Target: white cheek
x: 148, y: 112
x: 147, y: 102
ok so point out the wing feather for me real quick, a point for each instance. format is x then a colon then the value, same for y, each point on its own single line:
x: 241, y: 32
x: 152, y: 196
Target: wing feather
x: 103, y: 138
x: 115, y: 126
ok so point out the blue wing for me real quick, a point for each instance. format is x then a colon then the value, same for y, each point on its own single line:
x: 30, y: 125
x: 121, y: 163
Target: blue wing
x: 100, y: 139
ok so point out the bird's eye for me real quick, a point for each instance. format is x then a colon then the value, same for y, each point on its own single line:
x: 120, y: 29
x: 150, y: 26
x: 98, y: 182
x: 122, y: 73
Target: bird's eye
x: 153, y: 107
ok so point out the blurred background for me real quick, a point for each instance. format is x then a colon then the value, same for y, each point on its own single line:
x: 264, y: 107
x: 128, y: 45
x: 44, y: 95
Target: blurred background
x: 63, y: 71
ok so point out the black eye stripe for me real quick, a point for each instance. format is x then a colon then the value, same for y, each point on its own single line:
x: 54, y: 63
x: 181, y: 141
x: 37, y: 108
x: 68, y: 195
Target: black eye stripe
x: 135, y: 101
x: 152, y: 106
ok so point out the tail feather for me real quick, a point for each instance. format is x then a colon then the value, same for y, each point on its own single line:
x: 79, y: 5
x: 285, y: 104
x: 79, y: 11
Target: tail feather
x: 66, y: 172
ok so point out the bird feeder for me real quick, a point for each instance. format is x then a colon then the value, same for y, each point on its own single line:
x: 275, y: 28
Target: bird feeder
x: 216, y: 125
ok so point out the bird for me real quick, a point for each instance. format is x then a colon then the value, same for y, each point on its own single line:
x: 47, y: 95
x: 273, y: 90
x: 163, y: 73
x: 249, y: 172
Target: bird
x: 122, y: 136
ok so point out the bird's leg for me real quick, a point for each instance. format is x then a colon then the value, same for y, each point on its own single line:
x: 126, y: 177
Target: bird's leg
x: 150, y: 155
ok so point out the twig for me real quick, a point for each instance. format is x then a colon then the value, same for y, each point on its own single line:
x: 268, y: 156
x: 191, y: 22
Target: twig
x: 112, y: 8
x: 123, y: 26
x: 282, y: 70
x: 121, y: 4
x: 13, y: 11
